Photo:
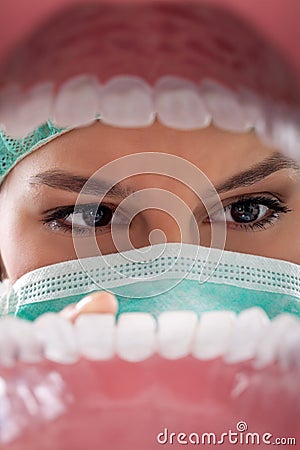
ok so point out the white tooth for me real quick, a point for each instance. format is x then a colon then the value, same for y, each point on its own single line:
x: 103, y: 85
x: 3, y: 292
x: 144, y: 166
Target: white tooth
x: 267, y: 351
x: 253, y: 107
x: 135, y: 338
x: 58, y: 338
x: 77, y: 102
x: 11, y: 98
x: 289, y: 348
x: 18, y: 341
x: 249, y: 327
x: 34, y: 109
x: 175, y: 333
x: 127, y: 101
x: 225, y: 107
x: 95, y: 335
x: 178, y: 104
x: 213, y: 334
x: 29, y: 348
x: 265, y: 129
x: 287, y: 135
x: 8, y: 346
x: 281, y: 129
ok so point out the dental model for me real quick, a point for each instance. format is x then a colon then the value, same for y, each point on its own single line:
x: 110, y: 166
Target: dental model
x: 214, y: 375
x: 167, y: 376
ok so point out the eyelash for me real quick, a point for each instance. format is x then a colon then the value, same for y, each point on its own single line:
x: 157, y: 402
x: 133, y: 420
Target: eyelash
x: 274, y: 204
x: 55, y: 218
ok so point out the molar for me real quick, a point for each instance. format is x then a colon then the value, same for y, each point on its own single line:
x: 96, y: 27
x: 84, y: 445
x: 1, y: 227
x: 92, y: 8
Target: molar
x: 77, y: 102
x: 127, y: 101
x: 178, y: 104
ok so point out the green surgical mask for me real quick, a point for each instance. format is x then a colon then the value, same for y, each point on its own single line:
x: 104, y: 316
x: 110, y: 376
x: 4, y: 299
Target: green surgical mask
x: 160, y: 278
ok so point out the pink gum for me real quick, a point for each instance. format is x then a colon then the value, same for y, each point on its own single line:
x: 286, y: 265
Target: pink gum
x: 123, y: 406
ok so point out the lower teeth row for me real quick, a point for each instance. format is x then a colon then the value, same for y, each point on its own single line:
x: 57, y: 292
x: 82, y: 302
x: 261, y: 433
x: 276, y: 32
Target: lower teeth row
x: 137, y: 336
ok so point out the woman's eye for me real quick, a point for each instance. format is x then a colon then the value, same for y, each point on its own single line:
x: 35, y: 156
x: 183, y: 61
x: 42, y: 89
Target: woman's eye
x: 91, y: 217
x: 251, y: 213
x: 245, y: 212
x: 81, y: 220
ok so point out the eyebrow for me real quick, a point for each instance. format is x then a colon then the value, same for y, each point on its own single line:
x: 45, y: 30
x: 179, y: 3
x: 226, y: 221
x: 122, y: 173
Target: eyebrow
x: 67, y: 181
x: 258, y: 172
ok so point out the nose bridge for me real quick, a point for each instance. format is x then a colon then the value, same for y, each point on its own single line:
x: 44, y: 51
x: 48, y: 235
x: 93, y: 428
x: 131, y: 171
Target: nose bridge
x: 163, y: 226
x: 167, y: 212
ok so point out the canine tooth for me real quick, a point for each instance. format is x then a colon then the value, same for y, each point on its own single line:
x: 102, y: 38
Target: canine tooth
x: 267, y: 351
x: 135, y: 336
x: 246, y: 335
x: 289, y: 349
x: 175, y: 333
x: 213, y: 334
x: 178, y: 104
x: 57, y: 337
x: 225, y: 107
x: 95, y: 335
x: 77, y: 102
x: 127, y: 101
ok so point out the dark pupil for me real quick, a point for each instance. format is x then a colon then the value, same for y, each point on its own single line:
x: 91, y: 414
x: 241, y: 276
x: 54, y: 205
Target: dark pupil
x: 244, y: 211
x: 98, y: 218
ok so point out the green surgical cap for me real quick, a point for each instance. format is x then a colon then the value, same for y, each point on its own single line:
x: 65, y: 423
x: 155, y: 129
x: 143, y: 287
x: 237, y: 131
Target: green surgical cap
x: 13, y: 150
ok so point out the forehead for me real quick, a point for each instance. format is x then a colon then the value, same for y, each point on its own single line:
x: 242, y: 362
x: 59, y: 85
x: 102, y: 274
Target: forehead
x: 217, y: 153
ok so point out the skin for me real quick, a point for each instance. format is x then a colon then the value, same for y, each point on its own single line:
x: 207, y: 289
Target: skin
x: 218, y: 154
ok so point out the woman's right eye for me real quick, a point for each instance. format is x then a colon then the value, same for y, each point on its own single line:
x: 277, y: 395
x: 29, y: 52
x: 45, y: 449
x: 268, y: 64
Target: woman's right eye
x: 82, y: 219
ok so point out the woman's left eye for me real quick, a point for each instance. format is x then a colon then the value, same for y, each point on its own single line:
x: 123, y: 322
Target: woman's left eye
x: 251, y: 213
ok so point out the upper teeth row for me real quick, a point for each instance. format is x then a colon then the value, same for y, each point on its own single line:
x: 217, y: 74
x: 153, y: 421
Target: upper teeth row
x: 128, y: 101
x: 137, y: 336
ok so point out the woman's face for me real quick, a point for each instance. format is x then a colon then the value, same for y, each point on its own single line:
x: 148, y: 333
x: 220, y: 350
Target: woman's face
x: 258, y: 188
